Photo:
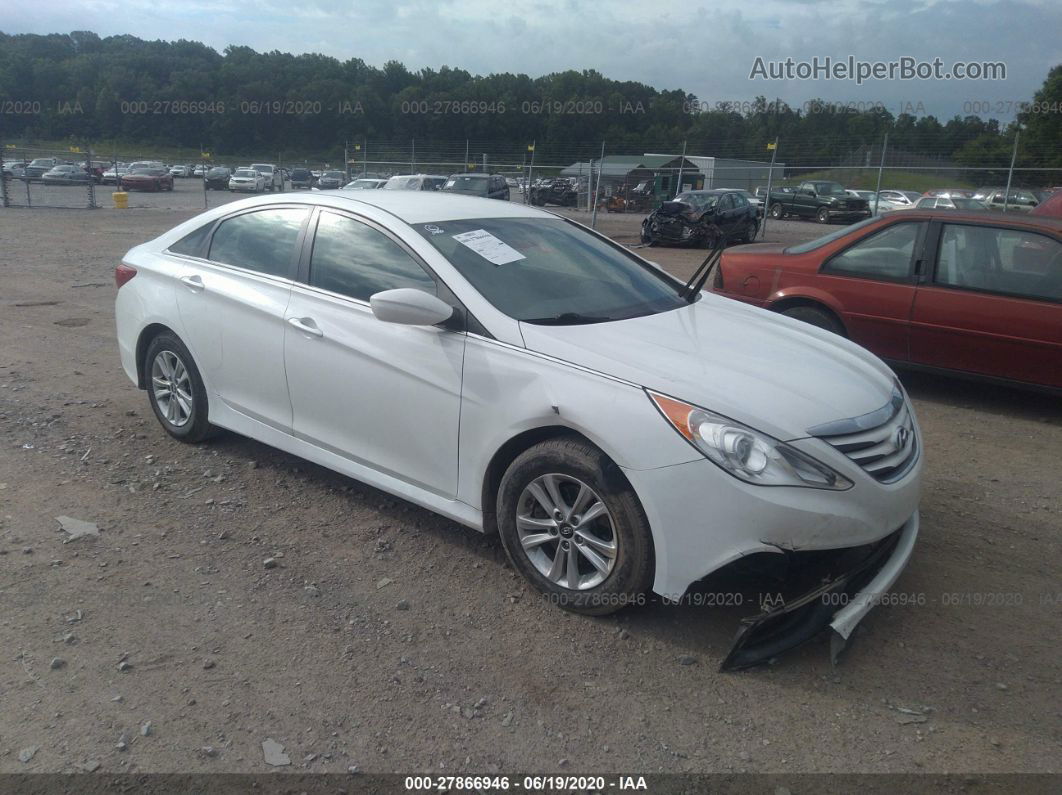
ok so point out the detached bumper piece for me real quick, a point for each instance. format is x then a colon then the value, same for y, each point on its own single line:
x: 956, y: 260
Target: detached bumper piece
x: 838, y: 605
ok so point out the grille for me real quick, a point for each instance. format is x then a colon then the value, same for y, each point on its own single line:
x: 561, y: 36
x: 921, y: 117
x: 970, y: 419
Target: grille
x: 882, y: 442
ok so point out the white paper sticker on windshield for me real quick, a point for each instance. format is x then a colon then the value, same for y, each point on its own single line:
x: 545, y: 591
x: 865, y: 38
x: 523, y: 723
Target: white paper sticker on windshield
x: 489, y: 247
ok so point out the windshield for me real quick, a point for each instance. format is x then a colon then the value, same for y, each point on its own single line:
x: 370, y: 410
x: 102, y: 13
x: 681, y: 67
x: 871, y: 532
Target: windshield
x: 828, y: 188
x: 966, y: 204
x: 403, y: 183
x: 699, y: 200
x: 246, y: 172
x: 462, y: 183
x: 550, y: 271
x: 333, y: 175
x: 218, y: 172
x: 811, y: 245
x: 362, y: 184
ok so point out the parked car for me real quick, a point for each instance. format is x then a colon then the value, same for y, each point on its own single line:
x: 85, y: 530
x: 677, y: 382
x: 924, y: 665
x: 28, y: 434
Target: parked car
x: 274, y: 179
x: 15, y: 169
x: 968, y: 292
x: 901, y: 199
x: 332, y: 180
x: 699, y: 217
x: 217, y: 178
x: 302, y: 179
x: 247, y: 180
x: 415, y: 182
x: 200, y: 170
x: 38, y: 166
x: 947, y: 203
x: 1016, y: 200
x: 487, y: 186
x: 818, y: 199
x: 181, y: 171
x: 619, y: 430
x: 111, y: 175
x: 66, y: 175
x: 1051, y: 208
x: 561, y: 191
x: 365, y: 183
x: 950, y: 193
x: 750, y: 198
x: 154, y: 178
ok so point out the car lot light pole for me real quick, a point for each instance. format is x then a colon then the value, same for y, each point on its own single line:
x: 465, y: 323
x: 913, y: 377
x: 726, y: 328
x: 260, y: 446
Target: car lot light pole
x: 1010, y: 173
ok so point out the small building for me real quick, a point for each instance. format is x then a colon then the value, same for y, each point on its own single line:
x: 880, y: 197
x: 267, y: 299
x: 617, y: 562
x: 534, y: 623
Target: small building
x: 658, y: 174
x: 720, y: 172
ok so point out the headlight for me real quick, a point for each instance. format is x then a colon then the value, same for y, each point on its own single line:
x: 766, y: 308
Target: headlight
x: 746, y: 453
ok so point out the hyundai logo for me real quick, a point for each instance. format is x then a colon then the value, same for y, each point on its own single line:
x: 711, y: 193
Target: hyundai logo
x: 901, y: 437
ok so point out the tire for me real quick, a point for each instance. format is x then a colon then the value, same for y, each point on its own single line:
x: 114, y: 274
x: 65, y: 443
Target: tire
x: 749, y: 235
x: 619, y: 577
x: 822, y: 216
x: 190, y: 426
x: 813, y: 316
x: 776, y: 211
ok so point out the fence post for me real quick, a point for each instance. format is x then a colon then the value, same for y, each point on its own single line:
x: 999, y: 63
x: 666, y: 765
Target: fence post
x: 881, y: 168
x: 1010, y: 173
x: 530, y: 171
x: 597, y: 186
x: 767, y: 198
x: 3, y: 179
x: 682, y: 162
x: 92, y: 178
x: 465, y: 169
x: 412, y: 155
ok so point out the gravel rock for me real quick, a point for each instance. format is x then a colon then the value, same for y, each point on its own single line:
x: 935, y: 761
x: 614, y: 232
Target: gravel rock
x: 26, y: 754
x: 274, y: 753
x: 402, y: 605
x: 57, y: 663
x: 269, y: 563
x: 146, y: 729
x: 687, y: 659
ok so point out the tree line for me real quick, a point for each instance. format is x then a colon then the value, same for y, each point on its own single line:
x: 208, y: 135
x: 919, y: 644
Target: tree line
x: 79, y: 87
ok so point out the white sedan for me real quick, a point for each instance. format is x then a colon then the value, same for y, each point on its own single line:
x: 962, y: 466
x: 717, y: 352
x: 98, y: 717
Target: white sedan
x: 247, y: 180
x: 623, y: 433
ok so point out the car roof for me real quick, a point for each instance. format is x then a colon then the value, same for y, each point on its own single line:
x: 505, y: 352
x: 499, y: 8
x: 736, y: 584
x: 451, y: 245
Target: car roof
x: 471, y: 176
x: 412, y: 207
x: 983, y: 216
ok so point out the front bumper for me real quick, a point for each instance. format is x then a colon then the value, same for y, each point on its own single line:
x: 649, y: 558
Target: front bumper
x: 849, y: 215
x: 840, y: 604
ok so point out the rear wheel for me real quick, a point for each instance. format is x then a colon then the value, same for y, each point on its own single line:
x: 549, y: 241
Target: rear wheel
x: 176, y: 391
x: 776, y: 210
x: 572, y: 525
x: 814, y: 316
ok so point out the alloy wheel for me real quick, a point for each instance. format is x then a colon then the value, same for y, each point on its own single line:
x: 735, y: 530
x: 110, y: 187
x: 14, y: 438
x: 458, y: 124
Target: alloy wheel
x: 566, y: 531
x: 172, y: 388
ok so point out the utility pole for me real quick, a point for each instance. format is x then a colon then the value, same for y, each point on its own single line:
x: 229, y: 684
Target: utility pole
x: 682, y: 162
x: 881, y: 168
x: 1010, y: 173
x: 597, y: 187
x: 770, y: 179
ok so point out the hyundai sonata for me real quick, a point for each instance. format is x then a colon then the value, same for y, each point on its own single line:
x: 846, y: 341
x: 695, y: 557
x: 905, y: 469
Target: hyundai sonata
x: 621, y: 431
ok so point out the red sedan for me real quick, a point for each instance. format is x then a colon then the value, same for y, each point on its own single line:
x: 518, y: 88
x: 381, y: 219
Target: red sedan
x: 976, y: 293
x: 147, y: 179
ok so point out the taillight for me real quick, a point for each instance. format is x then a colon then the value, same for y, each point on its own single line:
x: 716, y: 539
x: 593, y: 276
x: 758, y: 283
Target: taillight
x: 122, y: 274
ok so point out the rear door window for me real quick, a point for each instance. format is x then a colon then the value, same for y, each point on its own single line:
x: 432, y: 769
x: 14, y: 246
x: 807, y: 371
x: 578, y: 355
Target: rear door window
x: 262, y: 241
x: 998, y: 260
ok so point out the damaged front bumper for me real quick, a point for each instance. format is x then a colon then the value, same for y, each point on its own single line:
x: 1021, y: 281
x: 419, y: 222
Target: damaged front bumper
x: 838, y: 604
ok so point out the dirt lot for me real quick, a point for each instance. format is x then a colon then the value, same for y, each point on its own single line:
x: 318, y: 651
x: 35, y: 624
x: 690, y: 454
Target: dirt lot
x: 388, y: 638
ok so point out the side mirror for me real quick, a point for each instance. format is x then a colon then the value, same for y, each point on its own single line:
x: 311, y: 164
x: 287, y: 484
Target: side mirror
x: 410, y: 307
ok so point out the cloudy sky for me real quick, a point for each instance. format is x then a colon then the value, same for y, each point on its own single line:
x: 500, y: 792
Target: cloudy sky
x: 706, y: 48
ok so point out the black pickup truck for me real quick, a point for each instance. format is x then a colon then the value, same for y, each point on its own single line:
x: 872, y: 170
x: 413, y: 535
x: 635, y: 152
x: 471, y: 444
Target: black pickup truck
x: 823, y: 201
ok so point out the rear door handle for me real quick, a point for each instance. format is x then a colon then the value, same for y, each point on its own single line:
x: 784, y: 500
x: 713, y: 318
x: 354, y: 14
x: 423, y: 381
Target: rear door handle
x: 306, y: 326
x: 193, y: 283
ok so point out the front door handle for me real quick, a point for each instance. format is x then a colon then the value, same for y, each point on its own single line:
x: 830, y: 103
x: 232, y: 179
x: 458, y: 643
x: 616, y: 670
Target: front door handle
x: 193, y: 283
x: 306, y: 326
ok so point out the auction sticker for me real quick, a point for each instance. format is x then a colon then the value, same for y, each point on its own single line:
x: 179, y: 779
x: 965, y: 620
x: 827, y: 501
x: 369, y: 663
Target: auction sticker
x: 489, y: 247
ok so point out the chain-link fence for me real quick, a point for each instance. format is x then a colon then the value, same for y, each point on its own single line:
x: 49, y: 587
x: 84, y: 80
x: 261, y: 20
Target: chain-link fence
x: 589, y: 176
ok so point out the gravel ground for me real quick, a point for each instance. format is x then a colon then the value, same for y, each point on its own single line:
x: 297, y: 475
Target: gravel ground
x: 236, y: 594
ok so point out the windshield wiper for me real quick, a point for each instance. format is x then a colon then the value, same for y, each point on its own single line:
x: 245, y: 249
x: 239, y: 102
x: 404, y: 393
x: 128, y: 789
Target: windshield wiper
x: 567, y: 319
x: 700, y: 276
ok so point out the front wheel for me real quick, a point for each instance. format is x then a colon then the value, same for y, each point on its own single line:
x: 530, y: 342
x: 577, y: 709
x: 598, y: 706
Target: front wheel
x: 822, y: 216
x: 776, y: 211
x: 749, y: 234
x: 572, y: 525
x: 813, y: 316
x: 176, y: 391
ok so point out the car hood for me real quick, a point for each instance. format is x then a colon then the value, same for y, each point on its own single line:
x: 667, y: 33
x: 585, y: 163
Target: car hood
x: 768, y: 371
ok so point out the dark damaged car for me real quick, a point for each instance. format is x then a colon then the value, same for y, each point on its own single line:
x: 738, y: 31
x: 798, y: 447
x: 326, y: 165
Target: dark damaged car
x: 700, y: 218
